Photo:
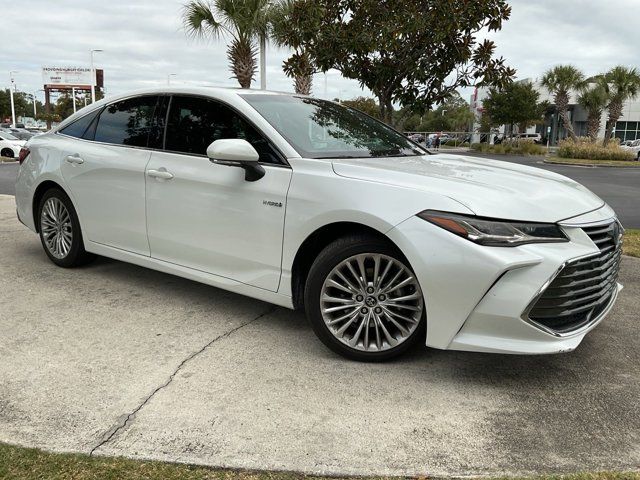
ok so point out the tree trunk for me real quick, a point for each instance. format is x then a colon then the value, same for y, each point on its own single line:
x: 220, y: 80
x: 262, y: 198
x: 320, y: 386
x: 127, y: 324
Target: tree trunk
x: 302, y: 84
x: 615, y: 112
x: 386, y: 109
x: 242, y: 56
x: 593, y: 125
x: 562, y: 102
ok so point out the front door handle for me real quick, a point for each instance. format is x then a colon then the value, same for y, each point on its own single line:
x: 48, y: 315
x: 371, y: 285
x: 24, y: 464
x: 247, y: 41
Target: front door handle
x: 163, y: 174
x: 74, y: 159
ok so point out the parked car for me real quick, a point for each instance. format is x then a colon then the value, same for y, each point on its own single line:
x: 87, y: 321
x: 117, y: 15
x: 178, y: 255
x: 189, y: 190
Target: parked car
x: 20, y: 133
x: 10, y: 145
x: 634, y: 147
x: 416, y: 137
x: 529, y: 137
x: 306, y: 204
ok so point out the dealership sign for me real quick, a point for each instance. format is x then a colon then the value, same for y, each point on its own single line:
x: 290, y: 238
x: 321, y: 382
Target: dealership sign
x: 66, y: 77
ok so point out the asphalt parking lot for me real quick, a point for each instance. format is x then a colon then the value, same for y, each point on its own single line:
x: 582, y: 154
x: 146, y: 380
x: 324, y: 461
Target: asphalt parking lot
x: 115, y: 359
x: 620, y: 187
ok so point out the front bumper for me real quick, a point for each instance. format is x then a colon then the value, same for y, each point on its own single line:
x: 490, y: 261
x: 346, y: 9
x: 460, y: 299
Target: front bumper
x: 477, y: 297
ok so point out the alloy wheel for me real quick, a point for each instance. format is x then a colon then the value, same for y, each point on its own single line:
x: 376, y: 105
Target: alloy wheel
x: 57, y: 231
x: 371, y: 302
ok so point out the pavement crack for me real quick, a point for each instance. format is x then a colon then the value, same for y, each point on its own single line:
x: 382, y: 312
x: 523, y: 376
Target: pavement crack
x: 112, y: 433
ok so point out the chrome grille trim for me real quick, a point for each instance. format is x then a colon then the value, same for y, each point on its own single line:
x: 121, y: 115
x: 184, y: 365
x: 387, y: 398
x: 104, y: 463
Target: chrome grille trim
x: 582, y: 290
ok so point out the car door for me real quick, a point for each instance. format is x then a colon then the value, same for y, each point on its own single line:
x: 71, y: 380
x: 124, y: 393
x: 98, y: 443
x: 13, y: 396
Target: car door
x: 103, y: 164
x: 206, y: 216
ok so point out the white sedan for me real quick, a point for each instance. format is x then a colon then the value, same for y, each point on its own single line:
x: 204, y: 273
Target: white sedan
x: 634, y: 147
x: 307, y: 204
x: 10, y: 145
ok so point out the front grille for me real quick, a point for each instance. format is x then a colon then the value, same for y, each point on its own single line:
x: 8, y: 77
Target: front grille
x: 583, y: 289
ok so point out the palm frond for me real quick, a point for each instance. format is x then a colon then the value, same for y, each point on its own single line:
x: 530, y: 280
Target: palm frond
x: 247, y: 19
x: 199, y: 21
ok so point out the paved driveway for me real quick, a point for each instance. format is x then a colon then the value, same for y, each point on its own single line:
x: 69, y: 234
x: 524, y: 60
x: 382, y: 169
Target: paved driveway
x: 620, y: 187
x: 119, y: 360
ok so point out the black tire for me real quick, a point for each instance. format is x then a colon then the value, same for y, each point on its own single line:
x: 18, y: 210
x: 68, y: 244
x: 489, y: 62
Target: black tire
x: 7, y: 153
x: 76, y: 255
x: 330, y: 257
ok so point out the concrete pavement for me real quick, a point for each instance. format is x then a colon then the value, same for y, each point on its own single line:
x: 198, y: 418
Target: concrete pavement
x: 115, y: 359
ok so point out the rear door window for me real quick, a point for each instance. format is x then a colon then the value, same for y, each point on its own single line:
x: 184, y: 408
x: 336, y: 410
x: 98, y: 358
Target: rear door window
x: 80, y: 127
x: 128, y: 122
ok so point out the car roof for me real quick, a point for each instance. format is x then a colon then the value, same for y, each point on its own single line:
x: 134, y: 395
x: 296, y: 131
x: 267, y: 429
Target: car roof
x: 221, y: 93
x: 197, y: 90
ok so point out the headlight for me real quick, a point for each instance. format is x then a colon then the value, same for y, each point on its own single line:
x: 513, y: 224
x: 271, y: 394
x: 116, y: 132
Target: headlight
x: 495, y: 233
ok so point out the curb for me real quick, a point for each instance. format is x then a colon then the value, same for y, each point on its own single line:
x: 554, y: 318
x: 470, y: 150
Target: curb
x: 13, y: 160
x: 586, y: 165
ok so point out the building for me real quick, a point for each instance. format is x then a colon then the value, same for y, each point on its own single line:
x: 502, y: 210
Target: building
x: 627, y: 127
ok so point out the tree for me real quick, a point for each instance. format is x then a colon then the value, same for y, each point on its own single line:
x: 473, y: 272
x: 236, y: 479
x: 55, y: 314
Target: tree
x: 560, y: 80
x: 23, y: 104
x: 621, y: 84
x: 414, y: 54
x: 244, y: 21
x: 285, y: 18
x: 515, y: 104
x: 364, y: 104
x: 64, y: 106
x: 454, y: 115
x: 594, y: 99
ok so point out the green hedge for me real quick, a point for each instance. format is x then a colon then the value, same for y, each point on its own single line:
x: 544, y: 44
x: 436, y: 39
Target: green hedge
x: 510, y: 148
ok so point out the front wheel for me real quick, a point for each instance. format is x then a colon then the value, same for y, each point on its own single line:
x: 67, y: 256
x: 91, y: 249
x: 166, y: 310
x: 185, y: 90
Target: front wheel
x: 363, y: 300
x: 60, y: 232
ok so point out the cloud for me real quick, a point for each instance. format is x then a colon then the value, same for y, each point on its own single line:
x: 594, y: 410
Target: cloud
x: 143, y: 42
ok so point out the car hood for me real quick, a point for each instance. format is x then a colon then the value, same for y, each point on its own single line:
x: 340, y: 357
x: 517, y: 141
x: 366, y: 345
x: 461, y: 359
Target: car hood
x: 489, y: 188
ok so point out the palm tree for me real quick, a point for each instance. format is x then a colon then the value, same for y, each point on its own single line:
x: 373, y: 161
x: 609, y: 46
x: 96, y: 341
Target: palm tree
x: 621, y: 84
x: 560, y: 80
x: 244, y: 21
x: 594, y: 99
x: 284, y: 17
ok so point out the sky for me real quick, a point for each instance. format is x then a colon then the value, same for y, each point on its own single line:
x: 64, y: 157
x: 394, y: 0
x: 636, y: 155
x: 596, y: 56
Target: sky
x: 143, y: 42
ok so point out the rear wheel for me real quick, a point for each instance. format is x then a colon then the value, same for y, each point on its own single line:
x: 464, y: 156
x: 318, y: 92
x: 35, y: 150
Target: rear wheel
x: 60, y: 232
x: 363, y: 300
x: 7, y: 153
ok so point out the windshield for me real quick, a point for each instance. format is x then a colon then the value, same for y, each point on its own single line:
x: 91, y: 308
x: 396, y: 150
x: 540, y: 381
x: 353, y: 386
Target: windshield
x: 7, y: 136
x: 322, y: 129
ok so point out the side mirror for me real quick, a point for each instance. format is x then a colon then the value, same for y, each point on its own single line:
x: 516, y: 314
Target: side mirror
x: 235, y: 152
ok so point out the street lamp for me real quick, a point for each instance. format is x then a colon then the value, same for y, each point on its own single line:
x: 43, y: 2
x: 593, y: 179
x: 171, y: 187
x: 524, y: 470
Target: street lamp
x: 35, y: 110
x: 169, y: 78
x: 13, y: 105
x: 93, y: 75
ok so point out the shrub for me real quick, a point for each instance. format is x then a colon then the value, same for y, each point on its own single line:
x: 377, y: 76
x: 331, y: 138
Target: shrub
x: 587, y: 149
x: 514, y: 147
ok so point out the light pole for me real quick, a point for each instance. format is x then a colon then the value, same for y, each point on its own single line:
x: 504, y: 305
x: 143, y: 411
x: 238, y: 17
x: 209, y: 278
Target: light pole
x: 73, y: 95
x: 35, y: 110
x: 13, y: 105
x: 93, y: 75
x: 169, y: 78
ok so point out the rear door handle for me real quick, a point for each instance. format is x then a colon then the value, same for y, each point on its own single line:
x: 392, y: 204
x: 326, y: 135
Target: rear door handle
x: 74, y: 159
x: 160, y: 174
